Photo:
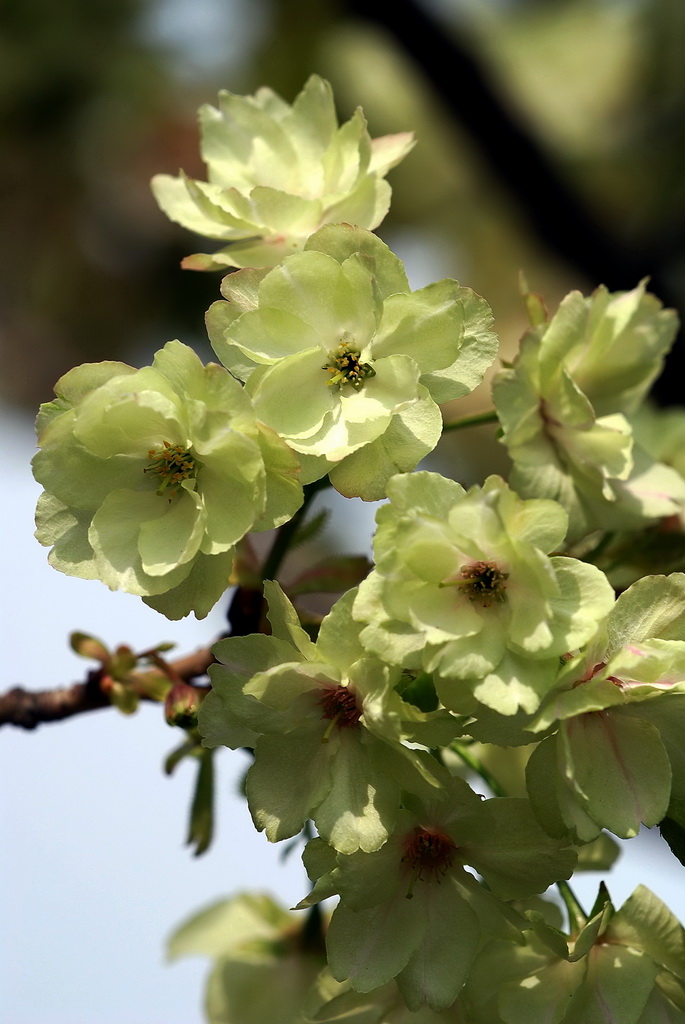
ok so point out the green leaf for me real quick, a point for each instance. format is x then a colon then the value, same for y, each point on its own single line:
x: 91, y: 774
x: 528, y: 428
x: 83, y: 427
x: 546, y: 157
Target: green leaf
x: 533, y: 302
x: 123, y: 697
x: 187, y: 749
x: 89, y: 647
x: 310, y: 528
x: 201, y: 826
x: 601, y: 900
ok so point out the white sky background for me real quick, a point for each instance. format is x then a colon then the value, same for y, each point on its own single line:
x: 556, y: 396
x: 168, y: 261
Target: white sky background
x: 92, y: 851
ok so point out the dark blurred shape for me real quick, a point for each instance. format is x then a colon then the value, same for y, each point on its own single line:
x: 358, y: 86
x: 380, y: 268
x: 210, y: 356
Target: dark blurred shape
x: 92, y: 105
x: 554, y: 209
x: 88, y: 115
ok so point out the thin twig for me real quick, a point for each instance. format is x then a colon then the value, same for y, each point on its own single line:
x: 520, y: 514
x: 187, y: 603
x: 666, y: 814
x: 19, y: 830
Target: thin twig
x: 27, y: 709
x: 489, y: 416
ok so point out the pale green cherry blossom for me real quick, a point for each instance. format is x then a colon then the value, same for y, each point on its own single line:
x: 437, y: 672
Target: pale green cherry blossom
x: 345, y: 362
x: 464, y: 588
x: 276, y: 173
x: 563, y: 405
x: 152, y: 476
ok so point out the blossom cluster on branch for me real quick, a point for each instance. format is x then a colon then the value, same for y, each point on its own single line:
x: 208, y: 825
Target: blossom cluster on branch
x: 510, y: 624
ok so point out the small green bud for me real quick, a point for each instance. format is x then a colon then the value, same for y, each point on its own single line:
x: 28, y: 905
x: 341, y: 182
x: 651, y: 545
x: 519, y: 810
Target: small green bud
x: 89, y: 647
x: 181, y: 706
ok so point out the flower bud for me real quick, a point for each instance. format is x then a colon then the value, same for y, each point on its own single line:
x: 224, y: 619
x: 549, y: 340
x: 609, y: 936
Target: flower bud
x: 181, y: 706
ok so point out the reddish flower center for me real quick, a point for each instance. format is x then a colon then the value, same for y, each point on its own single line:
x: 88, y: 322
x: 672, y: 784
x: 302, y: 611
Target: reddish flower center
x: 428, y: 853
x: 339, y: 704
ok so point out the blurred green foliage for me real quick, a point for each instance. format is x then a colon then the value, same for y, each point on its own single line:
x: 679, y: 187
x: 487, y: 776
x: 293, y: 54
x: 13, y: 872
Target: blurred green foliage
x: 95, y: 98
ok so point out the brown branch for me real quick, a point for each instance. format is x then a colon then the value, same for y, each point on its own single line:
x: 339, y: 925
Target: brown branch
x: 27, y: 709
x: 193, y: 665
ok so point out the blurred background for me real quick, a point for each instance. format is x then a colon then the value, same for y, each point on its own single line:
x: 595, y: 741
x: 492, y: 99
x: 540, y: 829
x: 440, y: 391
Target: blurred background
x: 551, y: 140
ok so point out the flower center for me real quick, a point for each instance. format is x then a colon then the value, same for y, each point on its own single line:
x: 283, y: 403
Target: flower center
x: 172, y: 463
x: 339, y: 704
x: 428, y: 853
x: 484, y: 583
x: 345, y: 367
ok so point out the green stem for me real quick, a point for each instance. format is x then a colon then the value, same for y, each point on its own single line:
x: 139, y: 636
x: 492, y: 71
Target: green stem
x: 471, y: 421
x: 576, y: 915
x: 285, y: 533
x: 479, y: 768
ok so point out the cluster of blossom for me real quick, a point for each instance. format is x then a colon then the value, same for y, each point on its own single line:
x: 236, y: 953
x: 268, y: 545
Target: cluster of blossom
x: 471, y: 632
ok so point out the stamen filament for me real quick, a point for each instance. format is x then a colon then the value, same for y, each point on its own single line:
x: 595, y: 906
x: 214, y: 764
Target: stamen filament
x: 346, y: 367
x: 327, y: 735
x: 173, y: 463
